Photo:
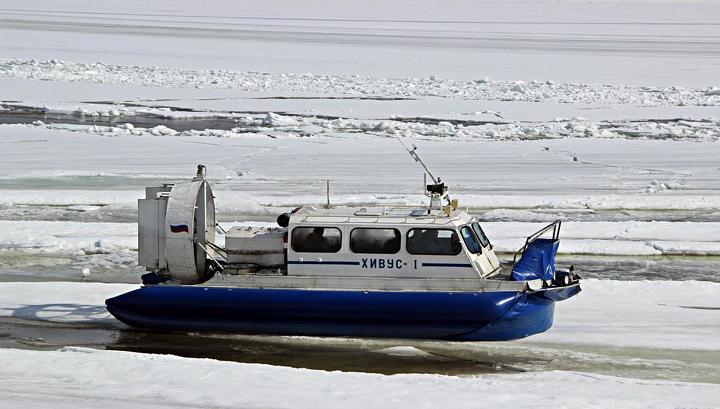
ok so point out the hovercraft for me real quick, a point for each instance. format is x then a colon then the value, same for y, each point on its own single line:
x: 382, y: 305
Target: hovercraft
x: 426, y: 272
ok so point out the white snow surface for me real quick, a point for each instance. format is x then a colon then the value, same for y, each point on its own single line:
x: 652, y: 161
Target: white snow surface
x: 68, y: 237
x: 641, y: 314
x: 566, y: 173
x: 81, y: 378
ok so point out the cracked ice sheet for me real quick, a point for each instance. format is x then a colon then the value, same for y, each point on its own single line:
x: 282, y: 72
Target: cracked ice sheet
x: 73, y: 96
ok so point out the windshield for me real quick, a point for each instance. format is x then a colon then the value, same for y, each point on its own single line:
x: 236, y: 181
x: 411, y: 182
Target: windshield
x: 480, y: 234
x: 470, y: 241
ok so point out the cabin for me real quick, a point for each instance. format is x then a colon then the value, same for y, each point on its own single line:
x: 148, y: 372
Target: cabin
x: 390, y: 248
x: 367, y: 242
x: 177, y: 233
x: 388, y: 242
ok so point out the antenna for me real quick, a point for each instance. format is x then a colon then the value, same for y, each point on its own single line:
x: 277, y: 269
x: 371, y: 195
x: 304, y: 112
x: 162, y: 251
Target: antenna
x: 327, y: 193
x: 437, y: 190
x: 413, y: 153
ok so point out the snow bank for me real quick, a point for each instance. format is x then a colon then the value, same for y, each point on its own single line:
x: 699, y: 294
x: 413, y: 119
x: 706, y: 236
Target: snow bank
x: 275, y: 126
x: 84, y: 378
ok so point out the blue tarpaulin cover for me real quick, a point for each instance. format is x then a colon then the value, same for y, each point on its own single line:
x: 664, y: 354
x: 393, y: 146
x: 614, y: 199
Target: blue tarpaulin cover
x: 537, y: 261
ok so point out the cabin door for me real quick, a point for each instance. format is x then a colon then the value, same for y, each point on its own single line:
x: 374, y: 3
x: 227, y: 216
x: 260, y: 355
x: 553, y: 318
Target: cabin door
x: 475, y: 251
x: 487, y: 246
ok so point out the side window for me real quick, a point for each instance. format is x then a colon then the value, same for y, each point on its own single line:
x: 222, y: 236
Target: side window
x: 380, y: 241
x: 443, y: 242
x: 480, y: 234
x: 316, y: 239
x: 470, y: 241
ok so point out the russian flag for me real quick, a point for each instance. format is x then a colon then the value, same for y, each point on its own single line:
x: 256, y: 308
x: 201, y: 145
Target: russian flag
x: 179, y: 228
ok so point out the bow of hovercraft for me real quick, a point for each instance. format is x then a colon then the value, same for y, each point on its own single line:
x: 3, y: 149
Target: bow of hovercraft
x: 532, y: 312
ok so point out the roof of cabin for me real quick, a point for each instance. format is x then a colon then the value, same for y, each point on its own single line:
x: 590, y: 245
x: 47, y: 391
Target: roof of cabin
x: 380, y: 215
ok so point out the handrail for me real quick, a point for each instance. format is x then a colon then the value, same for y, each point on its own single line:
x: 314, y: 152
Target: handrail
x: 220, y: 266
x: 555, y: 226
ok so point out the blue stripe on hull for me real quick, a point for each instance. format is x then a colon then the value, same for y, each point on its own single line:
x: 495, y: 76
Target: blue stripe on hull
x: 470, y: 316
x: 328, y: 262
x: 462, y: 265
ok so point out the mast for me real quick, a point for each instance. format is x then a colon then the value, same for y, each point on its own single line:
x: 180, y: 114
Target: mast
x: 413, y: 153
x: 435, y: 191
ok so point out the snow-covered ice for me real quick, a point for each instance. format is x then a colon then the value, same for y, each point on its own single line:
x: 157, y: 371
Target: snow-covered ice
x: 647, y: 43
x: 81, y: 378
x: 153, y: 381
x: 588, y: 174
x: 356, y: 85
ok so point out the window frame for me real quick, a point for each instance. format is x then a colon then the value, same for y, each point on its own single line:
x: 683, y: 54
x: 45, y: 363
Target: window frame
x: 407, y: 240
x: 292, y: 242
x: 488, y: 244
x: 472, y: 236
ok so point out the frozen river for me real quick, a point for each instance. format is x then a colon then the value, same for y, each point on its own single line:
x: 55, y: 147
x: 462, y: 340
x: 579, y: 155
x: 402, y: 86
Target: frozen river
x: 602, y: 114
